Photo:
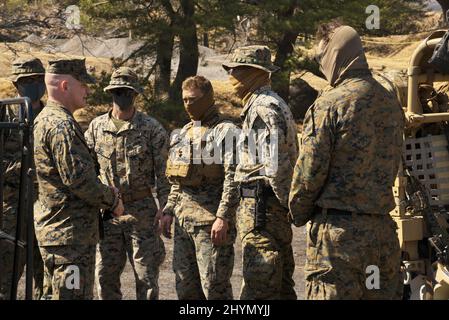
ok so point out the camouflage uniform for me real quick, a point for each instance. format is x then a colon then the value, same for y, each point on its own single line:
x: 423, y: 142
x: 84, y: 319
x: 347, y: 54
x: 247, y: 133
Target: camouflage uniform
x: 349, y: 156
x: 200, y: 193
x: 133, y: 159
x: 70, y: 196
x: 12, y: 164
x: 268, y: 262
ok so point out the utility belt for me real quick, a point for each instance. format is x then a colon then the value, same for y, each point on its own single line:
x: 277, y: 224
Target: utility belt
x: 260, y: 191
x: 338, y: 212
x: 130, y: 197
x: 133, y: 196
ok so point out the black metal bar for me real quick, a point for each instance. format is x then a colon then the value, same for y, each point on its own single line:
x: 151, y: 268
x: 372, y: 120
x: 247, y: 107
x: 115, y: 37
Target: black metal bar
x: 2, y: 147
x: 25, y: 117
x: 11, y: 239
x: 28, y: 138
x: 8, y: 125
x: 20, y: 212
x: 30, y: 247
x: 18, y: 101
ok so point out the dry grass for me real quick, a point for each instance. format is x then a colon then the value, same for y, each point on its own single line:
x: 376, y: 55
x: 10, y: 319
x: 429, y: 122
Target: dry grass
x: 9, y: 52
x: 7, y: 90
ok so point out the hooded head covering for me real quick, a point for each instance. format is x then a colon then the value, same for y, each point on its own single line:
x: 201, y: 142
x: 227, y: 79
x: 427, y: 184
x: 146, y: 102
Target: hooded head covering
x: 343, y: 52
x: 198, y: 109
x: 247, y: 80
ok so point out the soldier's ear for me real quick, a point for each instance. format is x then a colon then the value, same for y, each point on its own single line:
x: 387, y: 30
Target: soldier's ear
x: 64, y: 85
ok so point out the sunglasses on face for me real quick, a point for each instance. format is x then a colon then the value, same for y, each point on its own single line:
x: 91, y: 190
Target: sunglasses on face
x: 123, y: 92
x: 233, y: 71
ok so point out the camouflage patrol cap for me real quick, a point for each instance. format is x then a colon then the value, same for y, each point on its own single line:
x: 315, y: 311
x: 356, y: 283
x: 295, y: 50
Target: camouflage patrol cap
x: 26, y: 67
x: 74, y: 67
x: 124, y: 77
x: 252, y: 56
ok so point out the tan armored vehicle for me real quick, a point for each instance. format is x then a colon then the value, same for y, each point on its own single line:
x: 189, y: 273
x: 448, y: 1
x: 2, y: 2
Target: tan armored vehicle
x: 422, y: 186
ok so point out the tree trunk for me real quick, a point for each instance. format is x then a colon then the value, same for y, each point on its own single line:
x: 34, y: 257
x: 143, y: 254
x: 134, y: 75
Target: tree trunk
x: 206, y: 39
x: 281, y: 79
x: 285, y: 47
x: 163, y: 63
x: 188, y: 49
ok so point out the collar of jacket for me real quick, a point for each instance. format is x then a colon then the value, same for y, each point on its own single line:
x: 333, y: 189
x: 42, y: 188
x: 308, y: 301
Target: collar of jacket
x: 357, y: 73
x: 252, y: 99
x: 59, y: 106
x: 131, y: 124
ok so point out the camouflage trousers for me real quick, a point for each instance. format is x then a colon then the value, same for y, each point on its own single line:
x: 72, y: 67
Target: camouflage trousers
x: 146, y: 252
x: 7, y: 257
x: 69, y: 272
x: 203, y: 270
x: 341, y: 248
x: 268, y: 262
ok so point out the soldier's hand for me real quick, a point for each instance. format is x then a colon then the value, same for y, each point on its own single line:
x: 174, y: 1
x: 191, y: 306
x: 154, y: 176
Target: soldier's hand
x: 166, y: 221
x: 119, y: 209
x: 157, y: 222
x: 299, y: 222
x: 219, y: 231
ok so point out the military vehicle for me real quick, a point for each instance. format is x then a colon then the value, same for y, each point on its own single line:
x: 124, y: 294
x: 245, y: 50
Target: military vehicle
x: 421, y: 189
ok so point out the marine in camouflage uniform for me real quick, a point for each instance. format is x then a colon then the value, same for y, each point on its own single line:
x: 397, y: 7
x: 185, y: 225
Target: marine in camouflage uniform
x: 70, y: 193
x: 132, y: 156
x: 349, y: 156
x: 28, y: 77
x: 203, y: 195
x: 263, y: 219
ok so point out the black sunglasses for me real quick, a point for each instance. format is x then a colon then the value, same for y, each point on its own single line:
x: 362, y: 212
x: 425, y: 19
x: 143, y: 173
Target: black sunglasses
x: 123, y: 92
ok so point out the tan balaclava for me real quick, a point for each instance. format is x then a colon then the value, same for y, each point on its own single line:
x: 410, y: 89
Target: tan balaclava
x: 198, y: 108
x: 343, y: 52
x: 246, y: 80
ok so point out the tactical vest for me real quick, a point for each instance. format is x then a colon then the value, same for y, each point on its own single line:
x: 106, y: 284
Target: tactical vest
x: 183, y: 169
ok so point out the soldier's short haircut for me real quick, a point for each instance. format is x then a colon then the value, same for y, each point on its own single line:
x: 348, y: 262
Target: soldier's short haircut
x: 325, y: 30
x: 197, y: 82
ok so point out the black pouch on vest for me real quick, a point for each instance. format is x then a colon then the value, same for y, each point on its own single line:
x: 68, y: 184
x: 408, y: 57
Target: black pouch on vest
x: 440, y: 56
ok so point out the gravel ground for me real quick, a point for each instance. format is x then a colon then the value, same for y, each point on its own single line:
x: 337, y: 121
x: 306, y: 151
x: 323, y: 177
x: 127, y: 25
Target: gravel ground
x: 167, y: 278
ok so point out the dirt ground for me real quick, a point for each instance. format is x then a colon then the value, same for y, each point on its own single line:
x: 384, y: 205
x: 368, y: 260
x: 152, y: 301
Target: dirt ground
x: 167, y: 277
